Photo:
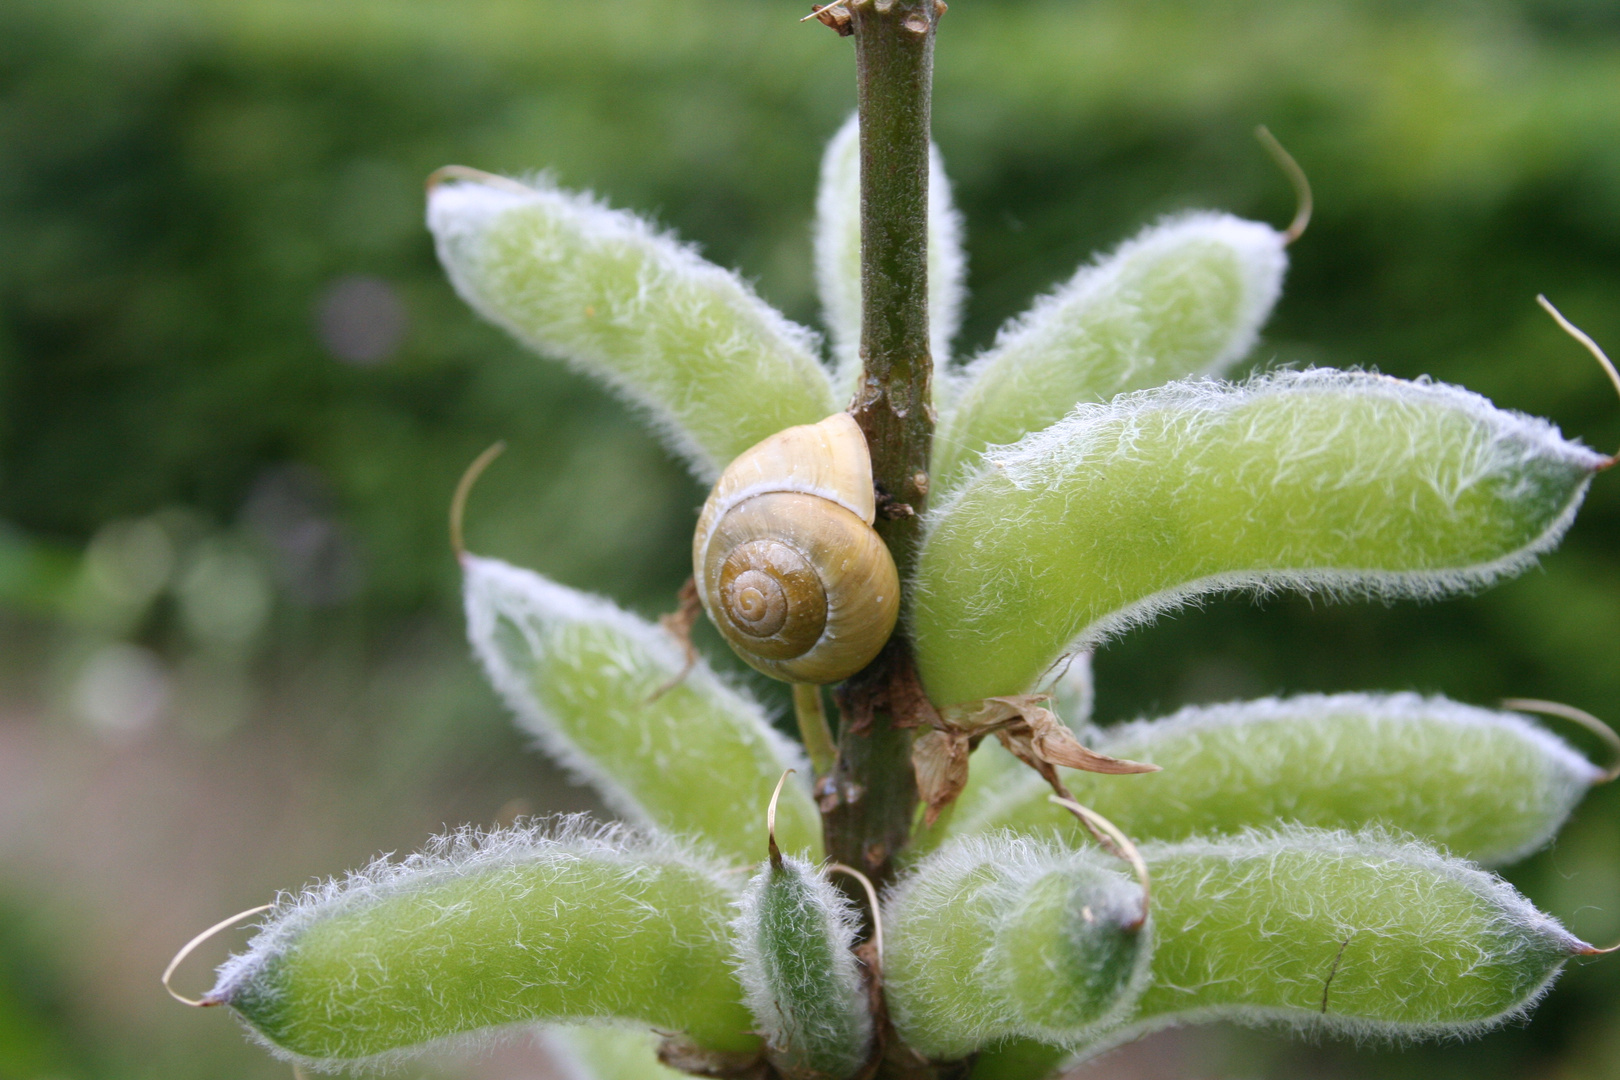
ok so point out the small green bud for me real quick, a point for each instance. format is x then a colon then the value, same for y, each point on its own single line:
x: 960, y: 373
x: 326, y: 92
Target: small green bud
x: 795, y: 937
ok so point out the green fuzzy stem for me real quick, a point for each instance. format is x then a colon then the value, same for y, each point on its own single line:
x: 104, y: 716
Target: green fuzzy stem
x: 998, y: 937
x: 794, y: 941
x: 1489, y: 786
x: 1339, y: 482
x: 484, y: 931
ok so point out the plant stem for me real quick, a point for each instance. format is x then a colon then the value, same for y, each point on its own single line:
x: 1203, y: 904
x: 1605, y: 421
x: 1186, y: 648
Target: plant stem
x: 869, y: 802
x: 894, y: 56
x: 813, y: 730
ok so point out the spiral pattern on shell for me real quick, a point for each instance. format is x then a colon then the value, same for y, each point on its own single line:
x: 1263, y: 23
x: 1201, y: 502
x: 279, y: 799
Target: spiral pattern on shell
x: 787, y: 562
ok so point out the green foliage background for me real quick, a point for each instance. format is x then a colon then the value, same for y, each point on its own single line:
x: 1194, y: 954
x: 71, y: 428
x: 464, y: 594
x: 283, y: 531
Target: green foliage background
x: 184, y: 180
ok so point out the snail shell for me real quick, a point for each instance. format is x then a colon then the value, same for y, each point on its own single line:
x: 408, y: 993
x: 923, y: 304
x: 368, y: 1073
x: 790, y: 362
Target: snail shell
x: 786, y: 560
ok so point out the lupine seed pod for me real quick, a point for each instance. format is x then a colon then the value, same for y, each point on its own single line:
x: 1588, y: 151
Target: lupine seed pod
x: 1358, y: 935
x: 838, y: 259
x: 1341, y: 483
x: 485, y: 930
x: 607, y: 1052
x: 999, y: 936
x: 1325, y: 932
x: 604, y: 693
x: 786, y: 561
x: 794, y: 939
x: 1488, y: 785
x: 1185, y: 297
x: 715, y: 367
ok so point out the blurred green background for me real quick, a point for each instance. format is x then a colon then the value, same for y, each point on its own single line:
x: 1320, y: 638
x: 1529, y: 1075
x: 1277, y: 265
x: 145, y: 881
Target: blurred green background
x: 235, y: 394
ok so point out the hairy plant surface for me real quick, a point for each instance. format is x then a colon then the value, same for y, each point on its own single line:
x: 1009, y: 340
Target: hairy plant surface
x: 1488, y: 785
x: 1302, y: 860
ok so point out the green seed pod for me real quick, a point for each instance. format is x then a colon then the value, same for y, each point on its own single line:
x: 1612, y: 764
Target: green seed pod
x: 1074, y: 693
x: 838, y: 259
x: 602, y: 691
x: 607, y: 1052
x: 794, y: 938
x: 998, y: 936
x: 716, y: 368
x: 1357, y: 935
x: 1185, y: 297
x: 484, y: 930
x: 1019, y: 1059
x: 1341, y: 483
x: 1490, y: 786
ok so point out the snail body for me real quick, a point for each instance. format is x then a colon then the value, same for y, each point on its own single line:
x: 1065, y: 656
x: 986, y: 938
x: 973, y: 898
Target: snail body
x: 786, y: 561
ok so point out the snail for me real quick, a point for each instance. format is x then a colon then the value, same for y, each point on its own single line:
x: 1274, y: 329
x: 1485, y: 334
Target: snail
x: 786, y: 561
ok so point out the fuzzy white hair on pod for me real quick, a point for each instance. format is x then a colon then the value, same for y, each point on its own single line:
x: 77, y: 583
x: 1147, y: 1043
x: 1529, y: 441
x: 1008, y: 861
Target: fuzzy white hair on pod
x: 1262, y: 255
x: 501, y: 598
x: 462, y: 852
x: 1184, y: 298
x: 1256, y: 858
x: 671, y: 334
x: 1503, y: 449
x: 837, y: 244
x: 951, y: 982
x: 804, y: 1028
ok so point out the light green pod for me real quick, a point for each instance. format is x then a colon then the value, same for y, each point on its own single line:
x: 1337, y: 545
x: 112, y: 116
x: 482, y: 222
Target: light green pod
x: 794, y: 938
x: 1489, y: 786
x: 838, y: 259
x: 487, y: 930
x: 1000, y: 936
x: 584, y: 678
x: 1357, y: 935
x: 1325, y: 932
x: 1342, y: 483
x: 607, y: 1052
x: 716, y: 367
x: 1019, y: 1059
x: 1074, y: 692
x: 1185, y: 297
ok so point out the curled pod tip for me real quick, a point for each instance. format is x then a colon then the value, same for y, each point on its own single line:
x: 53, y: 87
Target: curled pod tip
x: 786, y: 560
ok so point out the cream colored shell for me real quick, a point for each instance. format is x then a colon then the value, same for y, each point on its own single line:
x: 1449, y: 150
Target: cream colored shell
x: 786, y: 560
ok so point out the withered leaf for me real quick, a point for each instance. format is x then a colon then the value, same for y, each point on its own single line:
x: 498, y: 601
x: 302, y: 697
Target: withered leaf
x: 940, y: 760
